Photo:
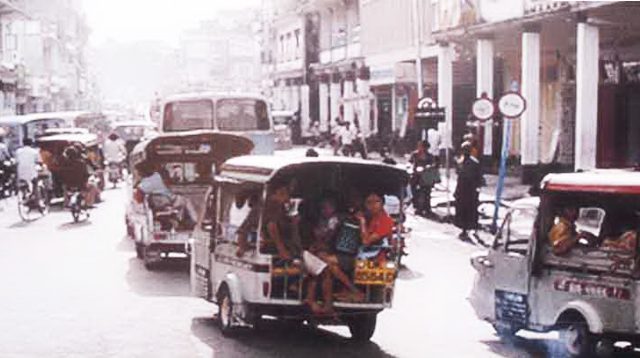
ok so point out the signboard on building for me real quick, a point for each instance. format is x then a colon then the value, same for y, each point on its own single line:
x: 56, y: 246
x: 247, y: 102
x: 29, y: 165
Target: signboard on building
x: 428, y: 114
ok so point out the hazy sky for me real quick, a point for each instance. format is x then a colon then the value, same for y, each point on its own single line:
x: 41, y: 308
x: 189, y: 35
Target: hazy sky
x: 134, y: 20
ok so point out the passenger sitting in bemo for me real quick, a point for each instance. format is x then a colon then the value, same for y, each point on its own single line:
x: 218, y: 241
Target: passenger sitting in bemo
x: 153, y: 185
x: 323, y: 246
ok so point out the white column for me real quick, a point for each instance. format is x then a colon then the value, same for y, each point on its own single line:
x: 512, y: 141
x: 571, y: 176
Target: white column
x: 530, y: 121
x: 295, y: 97
x: 348, y: 101
x: 364, y: 106
x: 323, y: 94
x: 587, y: 95
x: 484, y: 84
x: 334, y: 90
x: 304, y: 109
x: 445, y: 91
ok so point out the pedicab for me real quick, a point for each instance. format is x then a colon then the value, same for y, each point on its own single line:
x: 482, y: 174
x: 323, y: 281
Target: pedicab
x: 51, y: 152
x: 255, y: 282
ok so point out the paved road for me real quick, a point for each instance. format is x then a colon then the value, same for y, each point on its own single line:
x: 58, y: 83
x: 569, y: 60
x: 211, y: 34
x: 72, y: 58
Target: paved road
x: 78, y: 291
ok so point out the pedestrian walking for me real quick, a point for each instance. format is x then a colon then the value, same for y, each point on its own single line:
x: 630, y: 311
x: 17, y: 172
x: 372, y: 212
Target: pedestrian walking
x: 359, y: 144
x: 467, y: 192
x: 347, y: 136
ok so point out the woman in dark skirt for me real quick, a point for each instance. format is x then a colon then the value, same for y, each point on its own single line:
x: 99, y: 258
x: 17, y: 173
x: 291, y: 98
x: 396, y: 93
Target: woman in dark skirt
x: 467, y: 192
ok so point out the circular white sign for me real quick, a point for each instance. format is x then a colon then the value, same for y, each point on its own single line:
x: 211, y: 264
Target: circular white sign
x: 512, y: 105
x: 483, y: 108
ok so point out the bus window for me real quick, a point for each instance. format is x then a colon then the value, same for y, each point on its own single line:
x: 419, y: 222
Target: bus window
x: 242, y: 115
x: 188, y: 115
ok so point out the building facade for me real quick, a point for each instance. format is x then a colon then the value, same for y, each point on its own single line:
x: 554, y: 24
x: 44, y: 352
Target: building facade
x: 575, y: 63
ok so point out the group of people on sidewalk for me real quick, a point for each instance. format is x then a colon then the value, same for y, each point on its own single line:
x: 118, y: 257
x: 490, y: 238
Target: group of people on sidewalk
x: 425, y: 175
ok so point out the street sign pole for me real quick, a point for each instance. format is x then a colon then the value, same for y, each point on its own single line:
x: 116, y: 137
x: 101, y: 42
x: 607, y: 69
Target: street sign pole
x: 511, y: 106
x: 506, y: 138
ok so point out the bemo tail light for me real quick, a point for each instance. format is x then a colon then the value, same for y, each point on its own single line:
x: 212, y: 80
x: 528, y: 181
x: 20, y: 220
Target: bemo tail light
x: 159, y: 236
x: 265, y: 289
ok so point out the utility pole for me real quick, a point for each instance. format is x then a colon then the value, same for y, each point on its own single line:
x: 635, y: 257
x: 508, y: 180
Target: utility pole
x: 418, y: 29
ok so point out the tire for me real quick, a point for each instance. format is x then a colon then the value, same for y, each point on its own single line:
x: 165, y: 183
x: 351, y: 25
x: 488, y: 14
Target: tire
x: 505, y: 333
x: 139, y: 251
x: 362, y: 326
x: 225, y: 312
x: 24, y: 208
x: 149, y: 263
x: 577, y: 340
x: 75, y: 213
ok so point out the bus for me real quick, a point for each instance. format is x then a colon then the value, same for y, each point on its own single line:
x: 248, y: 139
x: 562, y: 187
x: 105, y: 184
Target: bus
x: 245, y: 114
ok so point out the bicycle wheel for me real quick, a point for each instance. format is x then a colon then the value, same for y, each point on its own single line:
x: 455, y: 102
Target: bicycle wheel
x: 43, y: 201
x: 25, y: 206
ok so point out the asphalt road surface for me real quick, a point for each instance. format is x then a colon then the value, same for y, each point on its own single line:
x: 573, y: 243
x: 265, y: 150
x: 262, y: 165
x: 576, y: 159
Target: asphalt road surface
x: 77, y: 290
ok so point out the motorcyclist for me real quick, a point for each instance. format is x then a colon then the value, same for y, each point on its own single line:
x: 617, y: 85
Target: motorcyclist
x: 114, y: 149
x: 75, y: 173
x: 6, y: 166
x: 424, y: 177
x: 4, y: 149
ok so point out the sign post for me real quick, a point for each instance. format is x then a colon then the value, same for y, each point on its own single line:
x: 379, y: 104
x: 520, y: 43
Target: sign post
x: 511, y: 106
x: 428, y: 116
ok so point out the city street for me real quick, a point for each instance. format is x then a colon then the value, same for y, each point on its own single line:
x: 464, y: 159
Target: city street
x: 77, y: 290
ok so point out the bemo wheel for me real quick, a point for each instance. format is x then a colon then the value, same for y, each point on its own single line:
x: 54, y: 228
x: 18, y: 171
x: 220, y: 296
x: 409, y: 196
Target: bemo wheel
x: 505, y: 332
x: 225, y: 311
x: 362, y: 326
x: 139, y: 250
x: 576, y: 339
x: 149, y: 258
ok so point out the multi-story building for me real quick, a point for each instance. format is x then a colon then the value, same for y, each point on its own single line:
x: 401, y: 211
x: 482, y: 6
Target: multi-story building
x: 48, y: 49
x: 222, y: 54
x: 575, y: 63
x: 313, y: 62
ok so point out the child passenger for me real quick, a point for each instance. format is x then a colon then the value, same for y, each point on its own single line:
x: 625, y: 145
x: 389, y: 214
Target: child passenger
x: 324, y: 235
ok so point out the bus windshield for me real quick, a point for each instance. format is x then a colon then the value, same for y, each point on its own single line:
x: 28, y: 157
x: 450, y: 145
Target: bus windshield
x: 188, y: 115
x: 242, y: 115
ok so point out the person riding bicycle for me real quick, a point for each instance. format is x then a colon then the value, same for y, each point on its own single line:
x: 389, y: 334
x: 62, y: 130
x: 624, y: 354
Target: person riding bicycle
x: 28, y: 159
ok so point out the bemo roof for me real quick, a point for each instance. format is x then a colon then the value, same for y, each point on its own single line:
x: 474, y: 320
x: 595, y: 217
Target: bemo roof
x: 614, y: 181
x: 263, y: 168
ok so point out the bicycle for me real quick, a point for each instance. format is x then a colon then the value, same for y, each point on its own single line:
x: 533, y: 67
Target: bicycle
x: 33, y: 200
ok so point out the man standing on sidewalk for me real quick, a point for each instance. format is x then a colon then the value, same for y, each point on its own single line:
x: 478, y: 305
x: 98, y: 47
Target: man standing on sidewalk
x: 467, y: 193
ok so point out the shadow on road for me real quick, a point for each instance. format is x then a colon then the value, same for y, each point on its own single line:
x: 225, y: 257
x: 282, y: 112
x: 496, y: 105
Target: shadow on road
x: 535, y: 347
x: 169, y: 278
x: 407, y: 274
x: 275, y: 338
x: 73, y: 226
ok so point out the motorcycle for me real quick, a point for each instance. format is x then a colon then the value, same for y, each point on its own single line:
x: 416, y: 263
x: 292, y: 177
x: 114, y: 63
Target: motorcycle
x: 423, y: 178
x: 7, y: 178
x: 76, y: 201
x: 114, y: 173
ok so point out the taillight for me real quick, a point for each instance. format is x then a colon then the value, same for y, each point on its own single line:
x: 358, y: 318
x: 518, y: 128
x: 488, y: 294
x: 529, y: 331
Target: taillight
x: 159, y: 236
x: 265, y: 289
x: 138, y: 196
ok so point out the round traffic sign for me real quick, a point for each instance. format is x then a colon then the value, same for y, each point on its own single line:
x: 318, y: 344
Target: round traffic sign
x: 512, y: 105
x: 483, y: 108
